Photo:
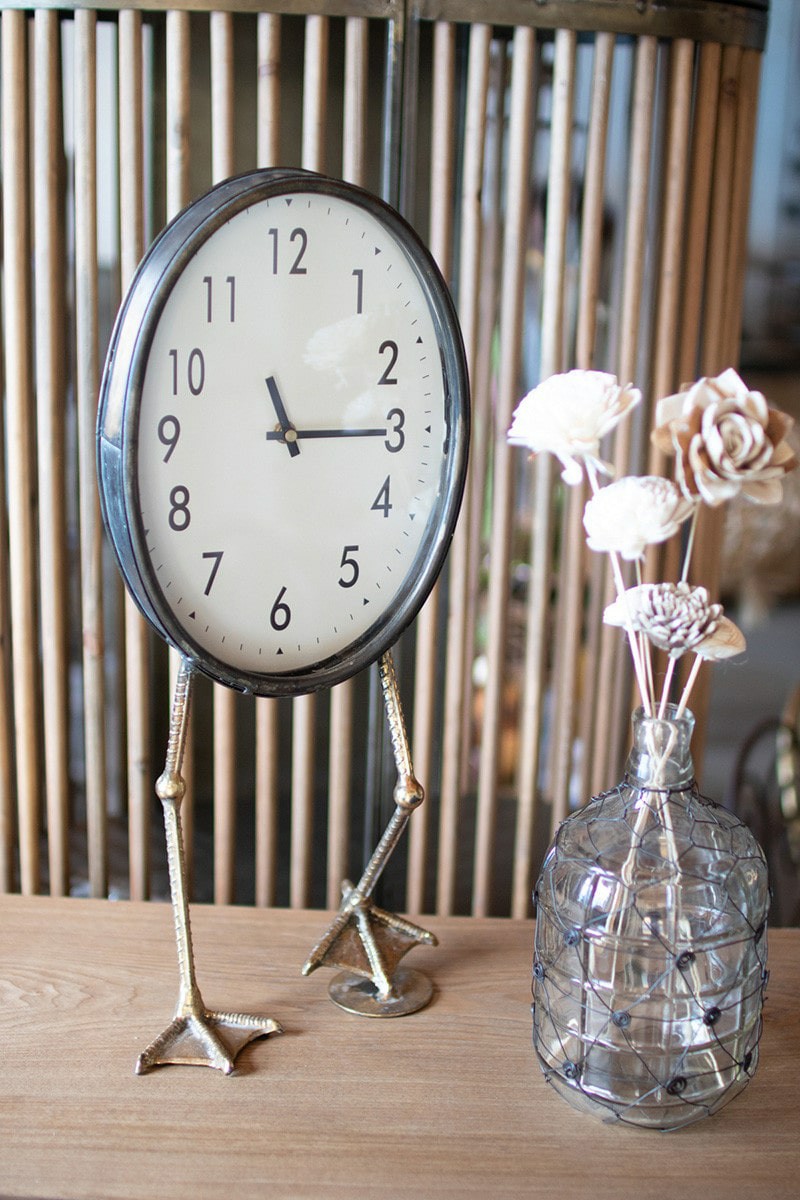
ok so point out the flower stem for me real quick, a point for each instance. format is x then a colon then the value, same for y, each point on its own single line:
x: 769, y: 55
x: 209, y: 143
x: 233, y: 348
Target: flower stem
x: 636, y: 650
x: 673, y: 662
x: 684, y: 700
x: 687, y: 558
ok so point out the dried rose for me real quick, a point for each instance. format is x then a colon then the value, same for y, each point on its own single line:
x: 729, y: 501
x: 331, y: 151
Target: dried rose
x: 726, y: 441
x: 677, y: 617
x: 632, y: 513
x: 568, y: 415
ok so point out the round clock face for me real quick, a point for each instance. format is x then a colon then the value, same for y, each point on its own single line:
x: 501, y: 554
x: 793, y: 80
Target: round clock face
x: 283, y: 431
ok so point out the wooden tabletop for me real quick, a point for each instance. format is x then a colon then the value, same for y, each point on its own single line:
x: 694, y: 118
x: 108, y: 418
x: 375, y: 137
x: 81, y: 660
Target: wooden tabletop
x: 449, y: 1102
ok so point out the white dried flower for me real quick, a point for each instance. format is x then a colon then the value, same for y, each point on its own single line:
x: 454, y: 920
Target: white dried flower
x: 568, y: 415
x: 677, y: 617
x: 632, y: 513
x: 726, y: 441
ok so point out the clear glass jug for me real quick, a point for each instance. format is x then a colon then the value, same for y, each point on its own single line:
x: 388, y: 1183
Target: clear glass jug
x: 651, y: 944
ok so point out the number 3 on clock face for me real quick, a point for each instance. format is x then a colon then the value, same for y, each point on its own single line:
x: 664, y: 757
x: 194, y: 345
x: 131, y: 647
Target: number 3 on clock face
x: 283, y: 427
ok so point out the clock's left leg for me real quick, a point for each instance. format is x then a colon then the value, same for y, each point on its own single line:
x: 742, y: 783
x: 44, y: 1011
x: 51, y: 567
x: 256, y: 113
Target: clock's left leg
x: 195, y: 1035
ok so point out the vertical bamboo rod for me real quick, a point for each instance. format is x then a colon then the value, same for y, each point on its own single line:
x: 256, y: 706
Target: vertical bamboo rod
x: 356, y: 99
x: 340, y: 783
x: 483, y: 383
x: 266, y: 718
x: 340, y: 765
x: 178, y: 86
x: 663, y: 562
x: 519, y: 148
x: 610, y: 691
x: 304, y: 714
x: 727, y: 229
x: 86, y: 384
x: 178, y: 117
x: 673, y: 247
x: 589, y: 296
x: 539, y: 580
x: 315, y: 92
x: 426, y: 657
x: 7, y: 825
x: 594, y: 201
x: 698, y: 208
x: 637, y: 231
x: 222, y: 107
x: 49, y: 307
x: 722, y: 212
x: 266, y: 815
x: 730, y: 336
x: 222, y: 165
x: 456, y: 663
x: 267, y: 744
x: 268, y: 135
x: 137, y: 665
x: 749, y: 79
x: 19, y: 439
x: 7, y: 790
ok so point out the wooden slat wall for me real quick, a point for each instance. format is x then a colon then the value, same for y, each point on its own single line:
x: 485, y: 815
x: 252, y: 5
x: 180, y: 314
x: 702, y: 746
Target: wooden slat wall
x: 518, y: 700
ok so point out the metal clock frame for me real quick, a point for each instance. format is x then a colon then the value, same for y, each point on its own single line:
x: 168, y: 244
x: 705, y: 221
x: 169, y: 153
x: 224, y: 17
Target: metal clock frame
x: 120, y: 400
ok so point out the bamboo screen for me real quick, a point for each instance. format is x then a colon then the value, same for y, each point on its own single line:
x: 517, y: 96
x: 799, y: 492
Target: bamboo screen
x: 585, y: 193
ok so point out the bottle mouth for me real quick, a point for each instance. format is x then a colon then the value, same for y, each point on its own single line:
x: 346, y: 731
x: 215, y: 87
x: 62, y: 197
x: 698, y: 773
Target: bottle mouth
x: 661, y: 753
x: 670, y: 715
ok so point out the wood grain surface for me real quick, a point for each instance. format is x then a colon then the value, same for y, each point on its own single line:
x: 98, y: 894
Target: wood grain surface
x: 447, y: 1103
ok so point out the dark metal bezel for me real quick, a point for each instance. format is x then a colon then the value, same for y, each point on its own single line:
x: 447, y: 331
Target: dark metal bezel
x: 118, y: 420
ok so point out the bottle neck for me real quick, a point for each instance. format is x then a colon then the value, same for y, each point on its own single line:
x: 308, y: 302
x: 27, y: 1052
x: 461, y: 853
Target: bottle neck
x: 661, y: 755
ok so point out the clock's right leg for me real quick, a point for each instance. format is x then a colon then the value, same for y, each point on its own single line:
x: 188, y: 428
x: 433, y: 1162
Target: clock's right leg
x: 195, y: 1036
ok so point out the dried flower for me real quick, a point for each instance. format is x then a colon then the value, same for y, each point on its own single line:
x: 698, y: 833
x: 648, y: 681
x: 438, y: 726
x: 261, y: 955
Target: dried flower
x: 677, y: 617
x: 632, y: 513
x: 726, y: 440
x: 568, y: 415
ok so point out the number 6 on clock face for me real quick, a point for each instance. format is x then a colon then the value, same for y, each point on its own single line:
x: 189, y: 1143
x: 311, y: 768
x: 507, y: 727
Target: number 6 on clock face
x: 283, y: 427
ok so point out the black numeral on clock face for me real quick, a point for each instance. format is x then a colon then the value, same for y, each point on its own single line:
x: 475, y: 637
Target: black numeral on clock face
x: 299, y: 240
x: 230, y: 280
x: 195, y: 371
x: 169, y: 430
x: 390, y: 348
x: 358, y: 274
x: 216, y: 559
x: 396, y: 419
x: 179, y: 515
x: 350, y: 564
x: 381, y: 501
x: 280, y: 613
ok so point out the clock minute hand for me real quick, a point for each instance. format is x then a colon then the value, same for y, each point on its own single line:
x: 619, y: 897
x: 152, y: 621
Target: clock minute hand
x: 341, y: 433
x: 276, y: 435
x: 288, y: 433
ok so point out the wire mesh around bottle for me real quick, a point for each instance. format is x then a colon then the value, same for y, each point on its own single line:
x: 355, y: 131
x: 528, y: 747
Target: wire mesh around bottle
x: 650, y: 958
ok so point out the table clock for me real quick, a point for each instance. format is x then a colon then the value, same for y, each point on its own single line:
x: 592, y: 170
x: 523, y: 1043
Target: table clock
x: 282, y: 447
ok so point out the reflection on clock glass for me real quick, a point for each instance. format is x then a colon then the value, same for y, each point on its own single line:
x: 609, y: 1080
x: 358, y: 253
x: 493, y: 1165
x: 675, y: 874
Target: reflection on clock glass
x: 291, y: 433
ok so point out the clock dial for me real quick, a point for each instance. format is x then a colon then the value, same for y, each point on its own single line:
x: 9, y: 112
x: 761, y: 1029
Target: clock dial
x: 293, y: 434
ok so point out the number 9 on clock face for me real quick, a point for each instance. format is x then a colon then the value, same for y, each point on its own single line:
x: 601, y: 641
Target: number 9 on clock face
x: 282, y: 435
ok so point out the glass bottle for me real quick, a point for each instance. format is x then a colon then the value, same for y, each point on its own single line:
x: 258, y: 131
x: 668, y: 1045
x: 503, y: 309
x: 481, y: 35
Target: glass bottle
x: 651, y: 943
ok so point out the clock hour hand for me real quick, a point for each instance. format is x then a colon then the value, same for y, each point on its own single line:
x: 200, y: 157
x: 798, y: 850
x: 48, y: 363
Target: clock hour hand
x: 288, y: 433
